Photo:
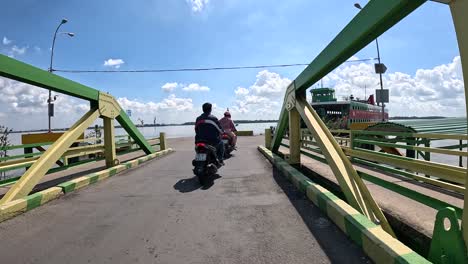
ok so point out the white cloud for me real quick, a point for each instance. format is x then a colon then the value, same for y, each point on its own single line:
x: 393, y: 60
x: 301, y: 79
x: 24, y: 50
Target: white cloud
x: 24, y: 106
x: 263, y: 99
x: 436, y: 91
x: 115, y: 63
x: 269, y: 84
x: 15, y: 50
x: 198, y: 5
x: 6, y: 41
x: 167, y: 111
x: 241, y: 91
x: 169, y: 87
x: 37, y: 49
x: 195, y: 87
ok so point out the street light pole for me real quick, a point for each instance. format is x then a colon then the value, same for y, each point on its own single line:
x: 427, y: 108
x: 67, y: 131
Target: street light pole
x: 381, y: 82
x: 358, y: 6
x: 49, y: 101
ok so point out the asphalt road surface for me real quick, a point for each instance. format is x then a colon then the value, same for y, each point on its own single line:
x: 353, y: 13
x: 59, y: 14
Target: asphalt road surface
x: 158, y: 213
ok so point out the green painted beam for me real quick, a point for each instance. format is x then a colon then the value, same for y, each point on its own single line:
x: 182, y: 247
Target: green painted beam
x: 414, y: 195
x: 133, y: 131
x: 33, y: 145
x: 283, y: 123
x: 374, y: 19
x: 22, y: 72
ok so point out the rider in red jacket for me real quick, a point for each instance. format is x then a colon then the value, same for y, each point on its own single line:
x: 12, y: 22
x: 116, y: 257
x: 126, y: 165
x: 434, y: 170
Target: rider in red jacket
x: 229, y: 127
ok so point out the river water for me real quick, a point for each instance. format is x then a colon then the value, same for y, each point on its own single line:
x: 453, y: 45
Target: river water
x: 171, y: 131
x: 257, y: 128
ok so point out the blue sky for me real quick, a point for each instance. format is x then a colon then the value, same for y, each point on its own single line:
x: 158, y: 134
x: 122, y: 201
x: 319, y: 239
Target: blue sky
x: 205, y: 33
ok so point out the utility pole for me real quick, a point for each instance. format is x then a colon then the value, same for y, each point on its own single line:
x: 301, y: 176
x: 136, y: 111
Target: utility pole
x: 380, y: 69
x: 50, y: 108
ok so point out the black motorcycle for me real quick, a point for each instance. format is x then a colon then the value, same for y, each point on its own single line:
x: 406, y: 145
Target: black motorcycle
x: 205, y: 162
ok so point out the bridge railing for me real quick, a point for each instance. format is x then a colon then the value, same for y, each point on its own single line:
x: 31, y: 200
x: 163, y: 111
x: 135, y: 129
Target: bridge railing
x: 93, y: 151
x: 374, y: 19
x: 102, y: 105
x: 363, y: 151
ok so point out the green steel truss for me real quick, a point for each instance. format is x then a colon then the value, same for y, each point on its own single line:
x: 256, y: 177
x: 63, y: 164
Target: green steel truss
x: 373, y: 20
x: 102, y: 105
x: 22, y: 72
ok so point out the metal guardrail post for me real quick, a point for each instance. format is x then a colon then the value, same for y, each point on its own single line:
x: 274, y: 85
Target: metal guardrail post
x: 460, y: 158
x: 162, y: 141
x: 109, y: 143
x: 268, y: 138
x: 294, y: 137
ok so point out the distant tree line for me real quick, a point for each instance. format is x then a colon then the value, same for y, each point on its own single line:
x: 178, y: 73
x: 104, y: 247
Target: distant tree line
x: 416, y: 117
x: 142, y: 124
x: 240, y: 122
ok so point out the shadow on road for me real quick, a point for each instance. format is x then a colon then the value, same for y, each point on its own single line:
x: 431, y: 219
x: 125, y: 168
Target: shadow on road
x: 192, y: 184
x: 338, y: 248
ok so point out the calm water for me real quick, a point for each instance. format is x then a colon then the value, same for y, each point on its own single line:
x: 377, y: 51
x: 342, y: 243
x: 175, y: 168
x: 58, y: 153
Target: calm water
x: 258, y: 128
x: 148, y: 132
x: 171, y: 131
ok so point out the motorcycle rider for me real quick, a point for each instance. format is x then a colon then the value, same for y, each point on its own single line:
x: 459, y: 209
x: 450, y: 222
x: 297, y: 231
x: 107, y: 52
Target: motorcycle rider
x: 208, y: 130
x: 228, y: 125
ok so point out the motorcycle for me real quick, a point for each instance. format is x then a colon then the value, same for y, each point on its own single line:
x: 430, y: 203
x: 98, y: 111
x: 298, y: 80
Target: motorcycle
x: 205, y: 162
x: 228, y: 147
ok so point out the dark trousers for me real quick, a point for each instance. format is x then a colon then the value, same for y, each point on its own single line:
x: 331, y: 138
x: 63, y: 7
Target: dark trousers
x: 220, y: 150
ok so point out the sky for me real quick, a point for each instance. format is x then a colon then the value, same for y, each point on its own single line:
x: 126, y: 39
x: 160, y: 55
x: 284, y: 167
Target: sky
x: 421, y: 53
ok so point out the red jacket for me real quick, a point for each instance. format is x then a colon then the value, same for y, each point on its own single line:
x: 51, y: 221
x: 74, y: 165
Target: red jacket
x: 227, y: 124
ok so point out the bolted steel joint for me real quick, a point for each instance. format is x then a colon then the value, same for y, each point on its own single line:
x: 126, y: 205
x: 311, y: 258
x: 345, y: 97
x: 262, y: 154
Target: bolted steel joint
x: 108, y: 106
x: 290, y: 97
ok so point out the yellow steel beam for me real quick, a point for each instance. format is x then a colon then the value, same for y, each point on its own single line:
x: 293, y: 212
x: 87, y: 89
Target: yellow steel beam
x: 459, y: 9
x: 5, y: 164
x: 35, y: 173
x: 17, y: 164
x: 162, y: 141
x: 411, y: 147
x: 351, y: 184
x: 109, y: 142
x: 294, y: 137
x: 84, y: 150
x: 446, y: 172
x: 268, y: 138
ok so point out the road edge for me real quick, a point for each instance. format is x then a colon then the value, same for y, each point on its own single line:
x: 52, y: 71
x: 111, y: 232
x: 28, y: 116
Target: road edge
x: 376, y: 243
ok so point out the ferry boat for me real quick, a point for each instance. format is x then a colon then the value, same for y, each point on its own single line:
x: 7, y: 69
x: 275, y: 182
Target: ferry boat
x: 351, y: 113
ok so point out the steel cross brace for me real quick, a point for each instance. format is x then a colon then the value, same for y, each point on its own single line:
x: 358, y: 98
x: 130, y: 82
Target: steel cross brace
x: 22, y: 72
x: 108, y: 109
x: 37, y: 171
x: 351, y: 184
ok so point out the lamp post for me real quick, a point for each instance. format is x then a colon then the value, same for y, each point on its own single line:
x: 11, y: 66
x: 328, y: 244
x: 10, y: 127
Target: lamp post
x: 358, y: 6
x: 51, y: 69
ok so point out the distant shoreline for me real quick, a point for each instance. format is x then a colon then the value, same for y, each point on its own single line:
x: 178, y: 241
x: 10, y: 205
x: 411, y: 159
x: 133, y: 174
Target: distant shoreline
x: 416, y: 117
x: 235, y: 121
x: 148, y: 125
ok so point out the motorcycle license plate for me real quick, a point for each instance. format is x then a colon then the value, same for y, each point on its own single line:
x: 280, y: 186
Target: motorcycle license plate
x: 200, y: 157
x: 225, y: 141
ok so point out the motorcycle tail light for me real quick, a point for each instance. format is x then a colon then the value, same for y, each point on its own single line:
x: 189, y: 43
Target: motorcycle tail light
x: 200, y: 147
